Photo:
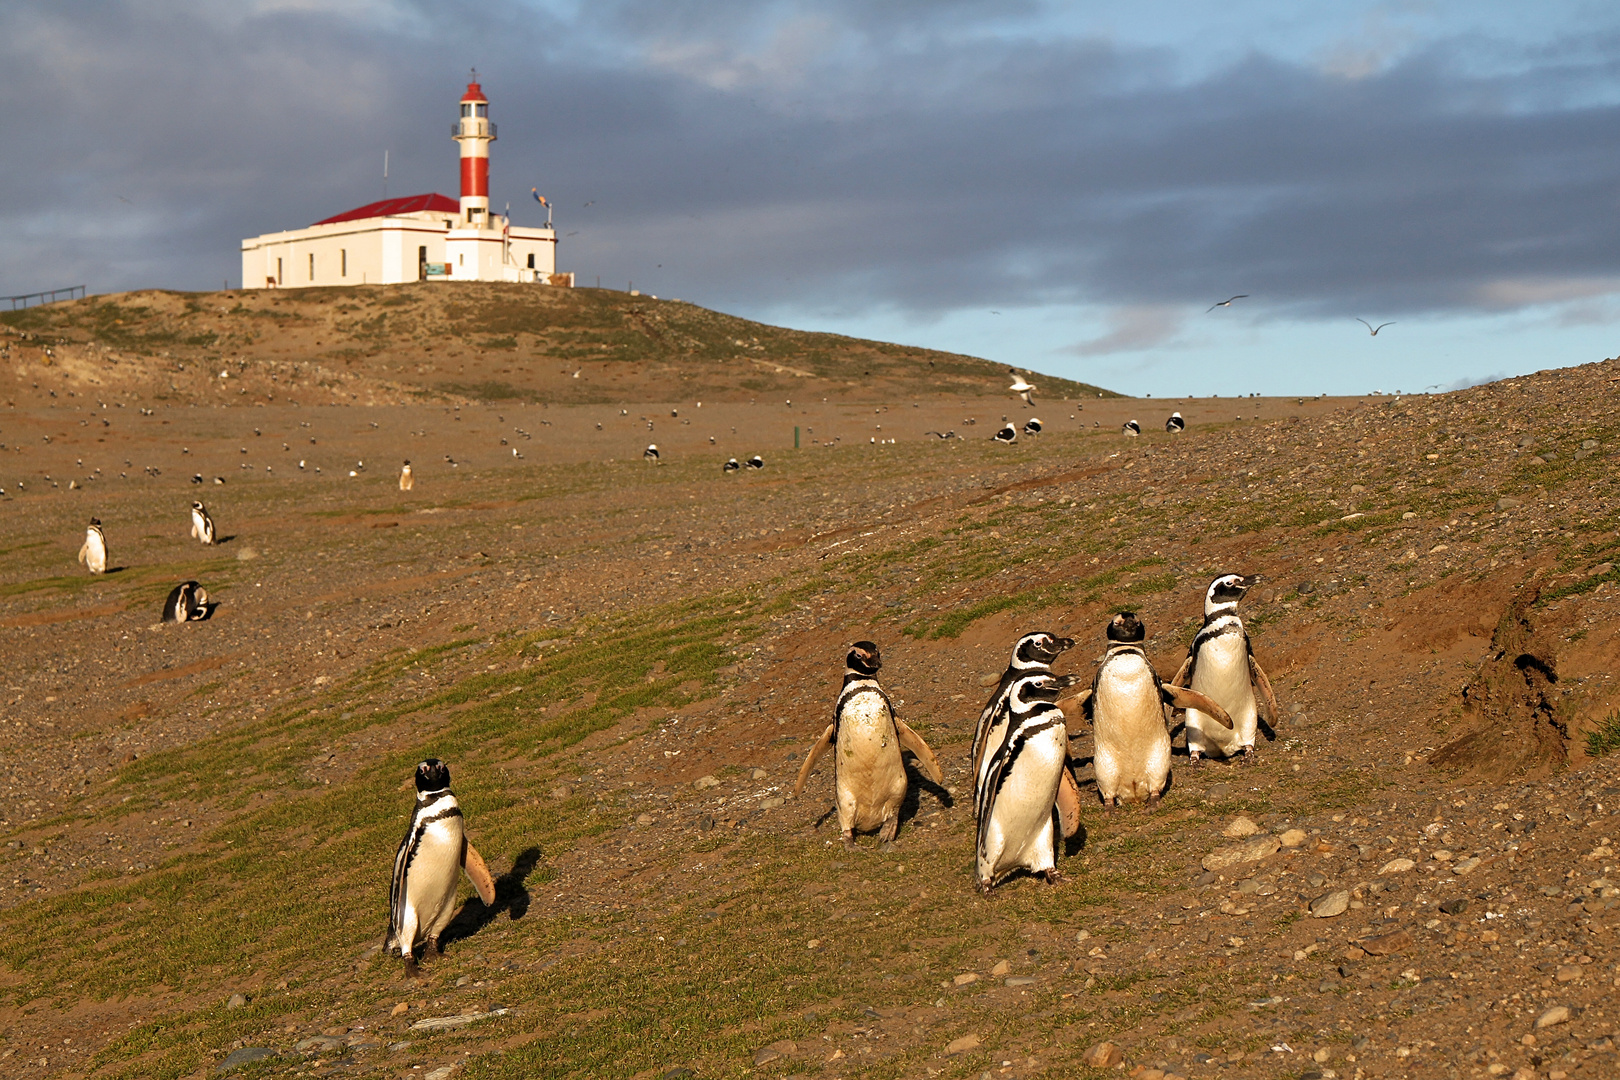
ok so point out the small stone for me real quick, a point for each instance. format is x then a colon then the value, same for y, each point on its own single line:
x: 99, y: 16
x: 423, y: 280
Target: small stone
x: 966, y: 977
x: 813, y: 943
x: 237, y: 1001
x: 962, y: 1045
x: 320, y: 1044
x: 1292, y: 838
x: 1558, y: 1014
x: 1441, y: 856
x: 562, y: 791
x: 1396, y: 866
x: 771, y: 803
x: 1508, y: 502
x: 645, y: 819
x: 1387, y: 944
x: 1464, y: 867
x: 1321, y: 1055
x: 1568, y: 972
x: 706, y: 822
x: 1331, y: 904
x: 1217, y: 791
x: 779, y: 1049
x: 247, y: 554
x: 706, y: 781
x: 1455, y: 906
x: 1105, y: 1055
x: 1001, y: 968
x: 441, y: 1073
x: 464, y: 980
x: 1240, y: 828
x: 1260, y: 847
x: 757, y: 774
x: 990, y: 679
x: 399, y: 1010
x: 1020, y: 980
x: 246, y: 1056
x: 398, y: 1047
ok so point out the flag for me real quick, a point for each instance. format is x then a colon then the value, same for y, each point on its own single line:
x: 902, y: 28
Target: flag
x: 539, y: 198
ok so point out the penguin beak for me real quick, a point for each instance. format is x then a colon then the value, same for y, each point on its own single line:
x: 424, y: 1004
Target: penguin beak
x: 1251, y: 581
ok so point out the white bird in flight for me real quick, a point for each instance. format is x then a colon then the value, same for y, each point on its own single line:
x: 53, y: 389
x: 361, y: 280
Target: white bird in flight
x: 1228, y: 301
x: 1021, y: 387
x: 1371, y: 329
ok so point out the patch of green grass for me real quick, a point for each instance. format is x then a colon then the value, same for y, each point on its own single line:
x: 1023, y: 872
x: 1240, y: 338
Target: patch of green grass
x: 1605, y: 737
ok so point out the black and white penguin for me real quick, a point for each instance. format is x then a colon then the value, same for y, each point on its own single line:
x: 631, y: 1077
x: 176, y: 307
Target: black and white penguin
x: 651, y: 453
x: 428, y: 867
x: 730, y: 466
x: 407, y: 479
x: 1032, y: 426
x: 869, y: 775
x: 202, y: 526
x: 1130, y: 429
x: 196, y: 478
x: 1126, y: 707
x: 1220, y: 665
x: 187, y: 602
x: 1007, y: 434
x: 1017, y: 785
x: 755, y: 462
x: 942, y: 434
x: 1175, y: 425
x: 93, y: 552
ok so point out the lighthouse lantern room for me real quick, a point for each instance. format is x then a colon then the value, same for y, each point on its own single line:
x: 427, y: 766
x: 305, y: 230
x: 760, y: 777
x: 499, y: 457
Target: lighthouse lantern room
x: 416, y: 237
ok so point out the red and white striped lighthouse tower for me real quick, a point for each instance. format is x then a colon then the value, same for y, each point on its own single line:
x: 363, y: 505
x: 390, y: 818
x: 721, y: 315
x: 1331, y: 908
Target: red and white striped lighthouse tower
x: 474, y: 132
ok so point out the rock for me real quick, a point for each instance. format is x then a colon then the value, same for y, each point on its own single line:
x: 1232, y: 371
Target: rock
x: 318, y: 1044
x: 464, y: 980
x: 562, y: 791
x: 441, y: 1073
x: 399, y: 1010
x: 1396, y: 866
x: 990, y: 679
x: 771, y: 803
x: 966, y: 977
x: 1455, y: 906
x: 247, y: 554
x: 779, y: 1049
x: 1240, y: 827
x: 1558, y: 1014
x: 398, y: 1047
x: 1387, y: 944
x: 756, y: 774
x: 1464, y: 867
x: 1260, y: 847
x: 962, y: 1045
x: 1001, y: 968
x: 1568, y: 972
x: 1330, y: 904
x: 1216, y: 791
x: 707, y: 781
x: 706, y: 822
x: 1441, y: 856
x: 1292, y: 838
x: 1105, y: 1055
x: 1508, y: 502
x: 645, y: 819
x: 435, y: 1023
x: 246, y: 1056
x: 1020, y: 980
x: 237, y: 1002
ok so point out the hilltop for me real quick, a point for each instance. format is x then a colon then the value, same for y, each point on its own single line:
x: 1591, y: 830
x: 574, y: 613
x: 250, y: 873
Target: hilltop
x: 433, y: 342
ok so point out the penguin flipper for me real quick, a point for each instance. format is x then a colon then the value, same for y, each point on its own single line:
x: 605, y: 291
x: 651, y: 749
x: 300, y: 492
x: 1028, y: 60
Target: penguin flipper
x: 84, y: 552
x: 1071, y: 705
x: 813, y: 756
x: 1183, y: 698
x: 1183, y: 672
x: 1068, y: 803
x: 1259, y: 674
x: 472, y: 864
x: 912, y: 741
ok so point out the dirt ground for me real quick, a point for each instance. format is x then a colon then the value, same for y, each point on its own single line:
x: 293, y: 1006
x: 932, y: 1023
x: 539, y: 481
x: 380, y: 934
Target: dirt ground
x: 624, y: 662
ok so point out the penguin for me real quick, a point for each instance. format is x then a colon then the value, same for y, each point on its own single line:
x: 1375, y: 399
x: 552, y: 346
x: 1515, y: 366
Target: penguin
x: 187, y: 602
x: 869, y: 775
x: 196, y: 478
x: 93, y: 553
x: 1220, y: 664
x: 202, y: 526
x: 1130, y: 429
x: 1126, y: 707
x: 1007, y: 434
x: 407, y: 479
x: 1017, y: 785
x: 755, y: 462
x: 1032, y: 426
x: 651, y: 453
x: 428, y: 866
x: 1175, y: 425
x: 730, y: 466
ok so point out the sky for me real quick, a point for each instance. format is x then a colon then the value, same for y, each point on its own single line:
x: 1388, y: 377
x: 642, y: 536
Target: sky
x: 1064, y: 188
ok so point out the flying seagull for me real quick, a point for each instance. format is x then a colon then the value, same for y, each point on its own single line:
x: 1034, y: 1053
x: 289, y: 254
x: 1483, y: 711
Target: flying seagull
x: 1228, y: 301
x: 1371, y: 329
x: 1021, y: 387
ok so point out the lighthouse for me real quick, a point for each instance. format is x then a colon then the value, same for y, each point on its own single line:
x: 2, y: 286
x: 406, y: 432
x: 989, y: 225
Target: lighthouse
x: 474, y: 132
x: 415, y: 237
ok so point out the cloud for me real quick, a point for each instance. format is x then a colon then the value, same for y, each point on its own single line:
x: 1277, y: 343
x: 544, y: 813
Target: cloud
x: 1133, y: 328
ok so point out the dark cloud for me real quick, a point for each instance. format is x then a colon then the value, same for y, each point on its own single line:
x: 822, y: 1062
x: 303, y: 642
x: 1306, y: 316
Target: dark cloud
x: 907, y: 156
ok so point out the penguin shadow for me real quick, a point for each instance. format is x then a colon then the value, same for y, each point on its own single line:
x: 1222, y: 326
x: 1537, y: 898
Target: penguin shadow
x: 510, y: 896
x: 221, y: 540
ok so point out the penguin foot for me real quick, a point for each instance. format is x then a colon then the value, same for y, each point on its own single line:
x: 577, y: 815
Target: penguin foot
x: 983, y: 887
x: 433, y: 943
x: 412, y: 971
x: 1053, y: 877
x: 887, y: 833
x: 849, y: 841
x: 1194, y: 758
x: 1152, y: 802
x: 1249, y: 756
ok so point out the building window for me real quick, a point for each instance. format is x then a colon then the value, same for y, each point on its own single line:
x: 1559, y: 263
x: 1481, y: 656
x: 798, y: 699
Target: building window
x: 531, y: 260
x: 312, y: 266
x: 466, y: 108
x: 483, y: 109
x: 278, y: 271
x: 343, y: 260
x: 461, y: 260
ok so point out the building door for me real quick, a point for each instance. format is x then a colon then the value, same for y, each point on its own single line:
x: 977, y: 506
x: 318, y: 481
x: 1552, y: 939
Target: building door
x: 421, y: 263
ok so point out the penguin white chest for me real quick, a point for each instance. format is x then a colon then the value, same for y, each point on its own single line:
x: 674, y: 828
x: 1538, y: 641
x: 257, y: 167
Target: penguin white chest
x: 432, y: 877
x: 1132, y: 757
x: 871, y: 774
x: 1019, y: 831
x: 1222, y: 674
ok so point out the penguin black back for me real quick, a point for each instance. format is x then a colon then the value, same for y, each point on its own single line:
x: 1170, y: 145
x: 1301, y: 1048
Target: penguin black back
x: 177, y: 608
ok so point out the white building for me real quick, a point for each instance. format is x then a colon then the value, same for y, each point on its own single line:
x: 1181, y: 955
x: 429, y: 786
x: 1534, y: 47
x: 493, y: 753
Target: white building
x: 413, y: 238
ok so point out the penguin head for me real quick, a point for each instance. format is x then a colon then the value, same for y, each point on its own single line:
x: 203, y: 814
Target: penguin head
x: 96, y: 522
x: 864, y: 658
x: 1225, y: 591
x: 432, y: 775
x: 1042, y: 686
x: 199, y: 595
x: 1040, y: 648
x: 196, y: 505
x: 1126, y: 627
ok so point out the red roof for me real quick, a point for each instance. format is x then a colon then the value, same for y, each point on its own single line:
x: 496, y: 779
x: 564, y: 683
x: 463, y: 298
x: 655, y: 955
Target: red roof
x: 407, y: 204
x: 474, y: 93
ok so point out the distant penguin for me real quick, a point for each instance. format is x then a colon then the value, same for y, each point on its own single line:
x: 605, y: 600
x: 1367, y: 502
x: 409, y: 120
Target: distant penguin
x: 1032, y: 426
x: 1126, y: 707
x: 428, y: 867
x: 651, y: 453
x: 407, y: 479
x: 196, y: 478
x: 1130, y: 429
x: 202, y: 526
x: 869, y: 775
x: 1175, y: 425
x: 1017, y: 785
x: 1220, y: 665
x: 187, y: 602
x: 93, y: 553
x: 755, y: 462
x: 1007, y: 434
x: 731, y: 465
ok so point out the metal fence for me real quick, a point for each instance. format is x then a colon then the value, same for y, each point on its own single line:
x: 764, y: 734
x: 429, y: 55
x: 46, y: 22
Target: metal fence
x: 50, y: 296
